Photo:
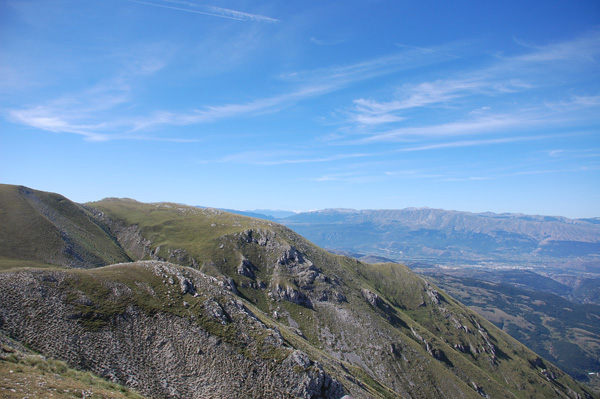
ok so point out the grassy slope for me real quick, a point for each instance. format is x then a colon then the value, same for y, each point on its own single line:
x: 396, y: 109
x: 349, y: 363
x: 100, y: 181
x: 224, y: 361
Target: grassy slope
x: 564, y: 332
x: 24, y: 374
x: 49, y: 229
x: 210, y: 237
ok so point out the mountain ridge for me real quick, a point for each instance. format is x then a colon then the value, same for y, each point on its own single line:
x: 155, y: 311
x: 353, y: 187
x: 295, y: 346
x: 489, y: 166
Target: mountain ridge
x: 376, y: 331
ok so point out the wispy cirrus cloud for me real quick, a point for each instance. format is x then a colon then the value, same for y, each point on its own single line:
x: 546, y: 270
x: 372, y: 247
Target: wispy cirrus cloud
x: 70, y: 113
x: 347, y: 177
x: 584, y: 48
x: 496, y: 176
x: 90, y: 113
x: 476, y: 143
x: 371, y: 112
x: 73, y: 114
x: 406, y: 59
x: 271, y: 158
x: 213, y: 113
x: 206, y: 10
x: 511, y: 84
x: 71, y: 117
x: 47, y: 118
x: 485, y: 124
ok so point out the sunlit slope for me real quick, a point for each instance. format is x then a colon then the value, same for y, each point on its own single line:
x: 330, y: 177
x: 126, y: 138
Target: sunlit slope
x: 402, y: 332
x: 163, y: 329
x: 46, y: 228
x: 26, y: 374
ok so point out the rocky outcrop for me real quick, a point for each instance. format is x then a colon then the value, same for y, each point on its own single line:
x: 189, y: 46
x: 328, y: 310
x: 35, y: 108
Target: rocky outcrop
x: 246, y: 268
x: 290, y: 294
x: 371, y: 297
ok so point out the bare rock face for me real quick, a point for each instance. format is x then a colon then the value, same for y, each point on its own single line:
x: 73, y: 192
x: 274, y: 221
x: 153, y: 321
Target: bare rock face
x: 373, y: 299
x: 246, y: 268
x: 211, y: 347
x: 290, y: 294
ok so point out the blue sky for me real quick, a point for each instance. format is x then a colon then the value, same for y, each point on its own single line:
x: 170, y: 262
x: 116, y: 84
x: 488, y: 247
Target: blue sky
x: 300, y: 105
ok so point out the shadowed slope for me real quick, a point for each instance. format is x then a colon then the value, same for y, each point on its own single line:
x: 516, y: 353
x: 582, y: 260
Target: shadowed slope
x: 50, y: 229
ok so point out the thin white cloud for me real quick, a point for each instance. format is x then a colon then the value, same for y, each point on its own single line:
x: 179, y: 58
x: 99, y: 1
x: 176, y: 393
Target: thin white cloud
x: 326, y: 42
x: 574, y: 102
x: 217, y: 112
x: 484, y: 124
x: 70, y: 113
x: 497, y: 176
x: 75, y: 115
x: 376, y: 118
x: 574, y: 154
x: 267, y: 158
x: 471, y: 178
x: 40, y: 119
x: 413, y: 174
x: 555, y: 153
x: 423, y: 94
x: 89, y: 113
x: 583, y: 48
x: 474, y: 143
x: 504, y: 85
x: 207, y: 10
x: 368, y: 69
x: 347, y: 177
x: 371, y: 112
x: 480, y: 111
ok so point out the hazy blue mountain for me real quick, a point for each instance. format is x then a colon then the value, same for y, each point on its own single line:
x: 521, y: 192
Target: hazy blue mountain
x: 275, y: 213
x: 440, y: 236
x: 266, y: 214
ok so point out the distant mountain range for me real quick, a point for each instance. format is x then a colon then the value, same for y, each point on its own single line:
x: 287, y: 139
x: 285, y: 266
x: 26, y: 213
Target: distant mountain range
x: 451, y: 237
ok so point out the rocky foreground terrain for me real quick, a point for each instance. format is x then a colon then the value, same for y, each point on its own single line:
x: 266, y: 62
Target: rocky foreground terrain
x: 180, y: 302
x: 207, y: 344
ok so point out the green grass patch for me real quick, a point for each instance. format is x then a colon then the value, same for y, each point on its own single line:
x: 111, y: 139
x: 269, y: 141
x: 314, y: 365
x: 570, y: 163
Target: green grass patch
x: 7, y: 263
x: 35, y: 376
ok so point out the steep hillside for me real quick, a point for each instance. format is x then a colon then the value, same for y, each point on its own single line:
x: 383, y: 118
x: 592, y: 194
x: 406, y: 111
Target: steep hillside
x: 566, y: 333
x: 254, y: 308
x: 382, y: 318
x: 164, y: 330
x: 46, y: 228
x: 450, y: 236
x: 25, y: 374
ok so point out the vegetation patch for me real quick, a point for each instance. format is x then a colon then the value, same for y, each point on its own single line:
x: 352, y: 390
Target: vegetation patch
x: 32, y: 376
